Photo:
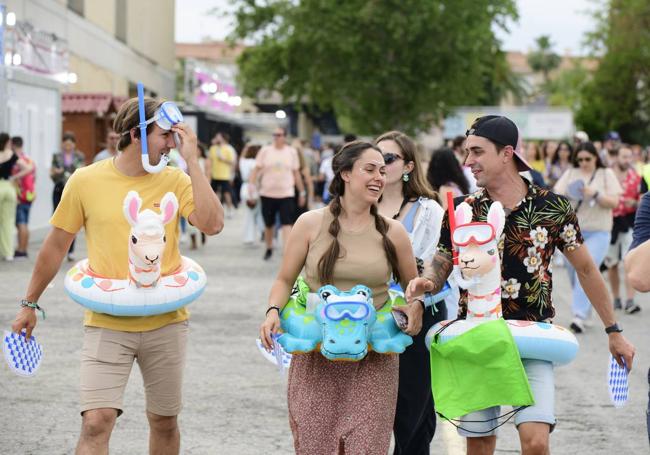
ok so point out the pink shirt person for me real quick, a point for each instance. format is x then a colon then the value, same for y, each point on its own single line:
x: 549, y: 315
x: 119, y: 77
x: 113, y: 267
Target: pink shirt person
x: 277, y: 166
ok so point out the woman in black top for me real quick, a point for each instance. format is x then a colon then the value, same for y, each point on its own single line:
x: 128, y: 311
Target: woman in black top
x: 9, y: 162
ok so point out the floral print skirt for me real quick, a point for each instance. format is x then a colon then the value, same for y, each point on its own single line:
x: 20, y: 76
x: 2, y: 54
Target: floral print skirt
x: 342, y: 407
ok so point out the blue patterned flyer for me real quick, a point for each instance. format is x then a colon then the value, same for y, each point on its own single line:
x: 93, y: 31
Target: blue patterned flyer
x: 23, y: 357
x: 617, y: 383
x: 278, y: 356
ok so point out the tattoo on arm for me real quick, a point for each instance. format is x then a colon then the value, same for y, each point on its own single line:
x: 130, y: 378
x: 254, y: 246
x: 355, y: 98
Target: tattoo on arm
x: 441, y: 269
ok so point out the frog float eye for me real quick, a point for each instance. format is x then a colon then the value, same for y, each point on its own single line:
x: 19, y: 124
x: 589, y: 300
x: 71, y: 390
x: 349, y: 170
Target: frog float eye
x: 325, y: 295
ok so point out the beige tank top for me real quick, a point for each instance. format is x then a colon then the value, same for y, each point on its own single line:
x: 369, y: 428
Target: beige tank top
x: 362, y: 260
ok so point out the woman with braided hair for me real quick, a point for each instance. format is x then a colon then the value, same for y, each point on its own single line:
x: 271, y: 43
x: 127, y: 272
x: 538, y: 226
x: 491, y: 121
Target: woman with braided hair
x: 345, y: 407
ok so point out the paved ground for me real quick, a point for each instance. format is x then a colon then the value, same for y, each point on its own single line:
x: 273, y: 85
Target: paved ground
x: 235, y: 400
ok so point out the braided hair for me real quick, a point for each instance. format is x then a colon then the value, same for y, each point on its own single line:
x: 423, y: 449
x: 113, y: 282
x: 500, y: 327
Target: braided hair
x: 343, y: 161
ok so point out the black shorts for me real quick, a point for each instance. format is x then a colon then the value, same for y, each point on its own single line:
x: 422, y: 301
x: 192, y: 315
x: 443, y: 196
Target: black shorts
x: 220, y: 186
x: 285, y: 206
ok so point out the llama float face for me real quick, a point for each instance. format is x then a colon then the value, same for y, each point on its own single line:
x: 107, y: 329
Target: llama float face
x: 147, y: 237
x: 476, y: 261
x: 479, y: 265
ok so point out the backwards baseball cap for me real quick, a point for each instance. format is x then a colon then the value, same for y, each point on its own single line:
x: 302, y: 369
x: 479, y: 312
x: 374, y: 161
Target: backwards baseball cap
x: 501, y: 130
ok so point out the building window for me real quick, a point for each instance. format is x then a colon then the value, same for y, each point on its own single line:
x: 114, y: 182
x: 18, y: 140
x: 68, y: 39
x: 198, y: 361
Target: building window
x: 120, y: 20
x: 77, y: 6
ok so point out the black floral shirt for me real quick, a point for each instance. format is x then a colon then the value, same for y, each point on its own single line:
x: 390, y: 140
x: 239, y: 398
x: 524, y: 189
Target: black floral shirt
x: 541, y: 222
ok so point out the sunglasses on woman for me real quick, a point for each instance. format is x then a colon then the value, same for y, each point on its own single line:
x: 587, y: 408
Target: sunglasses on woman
x: 391, y: 158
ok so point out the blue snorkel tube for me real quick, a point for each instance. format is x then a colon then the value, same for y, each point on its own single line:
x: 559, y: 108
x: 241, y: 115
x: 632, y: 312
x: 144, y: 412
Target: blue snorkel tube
x: 166, y: 116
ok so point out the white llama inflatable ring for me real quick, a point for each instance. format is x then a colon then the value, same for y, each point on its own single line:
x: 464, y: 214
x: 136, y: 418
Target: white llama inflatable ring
x: 479, y: 271
x: 145, y: 292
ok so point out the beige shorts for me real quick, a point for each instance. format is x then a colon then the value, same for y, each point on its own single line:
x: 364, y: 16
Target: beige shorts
x: 107, y: 357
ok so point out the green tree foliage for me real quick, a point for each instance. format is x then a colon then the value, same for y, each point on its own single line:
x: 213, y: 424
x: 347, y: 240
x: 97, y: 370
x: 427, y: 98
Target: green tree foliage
x: 566, y: 88
x: 378, y: 64
x: 618, y: 96
x: 543, y: 59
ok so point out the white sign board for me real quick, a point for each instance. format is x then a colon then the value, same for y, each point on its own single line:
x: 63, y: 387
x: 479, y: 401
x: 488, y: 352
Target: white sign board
x: 533, y: 123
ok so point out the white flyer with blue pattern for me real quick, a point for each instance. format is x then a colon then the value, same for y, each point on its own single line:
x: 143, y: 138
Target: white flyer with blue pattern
x: 617, y: 383
x: 23, y: 357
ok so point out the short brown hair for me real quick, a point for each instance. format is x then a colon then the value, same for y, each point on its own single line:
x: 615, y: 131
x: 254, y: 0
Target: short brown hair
x: 128, y: 117
x: 69, y: 136
x: 250, y: 150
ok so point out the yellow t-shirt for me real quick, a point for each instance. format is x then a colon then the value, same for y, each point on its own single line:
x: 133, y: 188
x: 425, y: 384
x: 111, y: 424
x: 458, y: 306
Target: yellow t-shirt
x: 93, y: 199
x: 222, y: 170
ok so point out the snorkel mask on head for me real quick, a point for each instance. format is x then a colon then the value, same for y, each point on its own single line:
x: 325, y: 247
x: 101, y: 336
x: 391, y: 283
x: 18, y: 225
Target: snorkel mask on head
x: 167, y: 115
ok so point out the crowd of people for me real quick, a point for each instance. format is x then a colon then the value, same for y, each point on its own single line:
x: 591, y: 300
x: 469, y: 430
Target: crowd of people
x: 370, y: 212
x: 604, y: 180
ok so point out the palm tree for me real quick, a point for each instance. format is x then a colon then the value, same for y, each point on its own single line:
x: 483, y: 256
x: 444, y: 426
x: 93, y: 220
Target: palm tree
x: 543, y: 59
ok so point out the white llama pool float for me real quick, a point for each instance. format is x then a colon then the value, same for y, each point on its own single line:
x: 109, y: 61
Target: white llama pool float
x: 145, y: 292
x: 477, y: 245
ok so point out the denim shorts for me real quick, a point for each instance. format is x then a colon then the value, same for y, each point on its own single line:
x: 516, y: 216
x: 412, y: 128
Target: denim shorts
x: 22, y: 212
x: 542, y: 383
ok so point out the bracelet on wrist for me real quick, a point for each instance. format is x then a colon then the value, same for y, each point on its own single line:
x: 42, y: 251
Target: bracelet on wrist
x: 614, y: 328
x: 27, y: 304
x: 272, y: 307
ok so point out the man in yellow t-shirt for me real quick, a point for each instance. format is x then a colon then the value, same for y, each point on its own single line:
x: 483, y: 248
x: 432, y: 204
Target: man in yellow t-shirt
x: 93, y: 199
x: 222, y: 159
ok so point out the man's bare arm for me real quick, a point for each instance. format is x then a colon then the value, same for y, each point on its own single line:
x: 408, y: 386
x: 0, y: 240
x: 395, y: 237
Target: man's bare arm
x: 637, y: 267
x: 594, y: 286
x: 47, y: 265
x: 434, y: 277
x: 441, y: 267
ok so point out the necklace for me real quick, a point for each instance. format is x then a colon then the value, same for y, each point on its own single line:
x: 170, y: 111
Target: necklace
x: 509, y: 210
x: 404, y: 202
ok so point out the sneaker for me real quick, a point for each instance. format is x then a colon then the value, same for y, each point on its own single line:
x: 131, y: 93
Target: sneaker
x: 20, y: 255
x: 577, y: 325
x: 631, y: 307
x: 268, y: 254
x: 617, y: 304
x: 9, y: 258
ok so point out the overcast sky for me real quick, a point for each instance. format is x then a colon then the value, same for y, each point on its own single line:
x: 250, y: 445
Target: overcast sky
x: 565, y: 20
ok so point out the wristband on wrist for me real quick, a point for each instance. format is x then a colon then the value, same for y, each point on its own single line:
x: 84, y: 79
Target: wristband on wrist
x: 614, y: 328
x: 27, y: 304
x: 272, y: 307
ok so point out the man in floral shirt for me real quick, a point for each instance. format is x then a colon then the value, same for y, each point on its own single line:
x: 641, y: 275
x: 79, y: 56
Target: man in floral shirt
x: 537, y: 222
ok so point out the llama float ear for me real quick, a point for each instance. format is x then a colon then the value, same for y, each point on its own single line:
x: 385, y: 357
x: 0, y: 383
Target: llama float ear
x: 168, y: 207
x: 497, y: 218
x: 463, y: 214
x: 131, y: 207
